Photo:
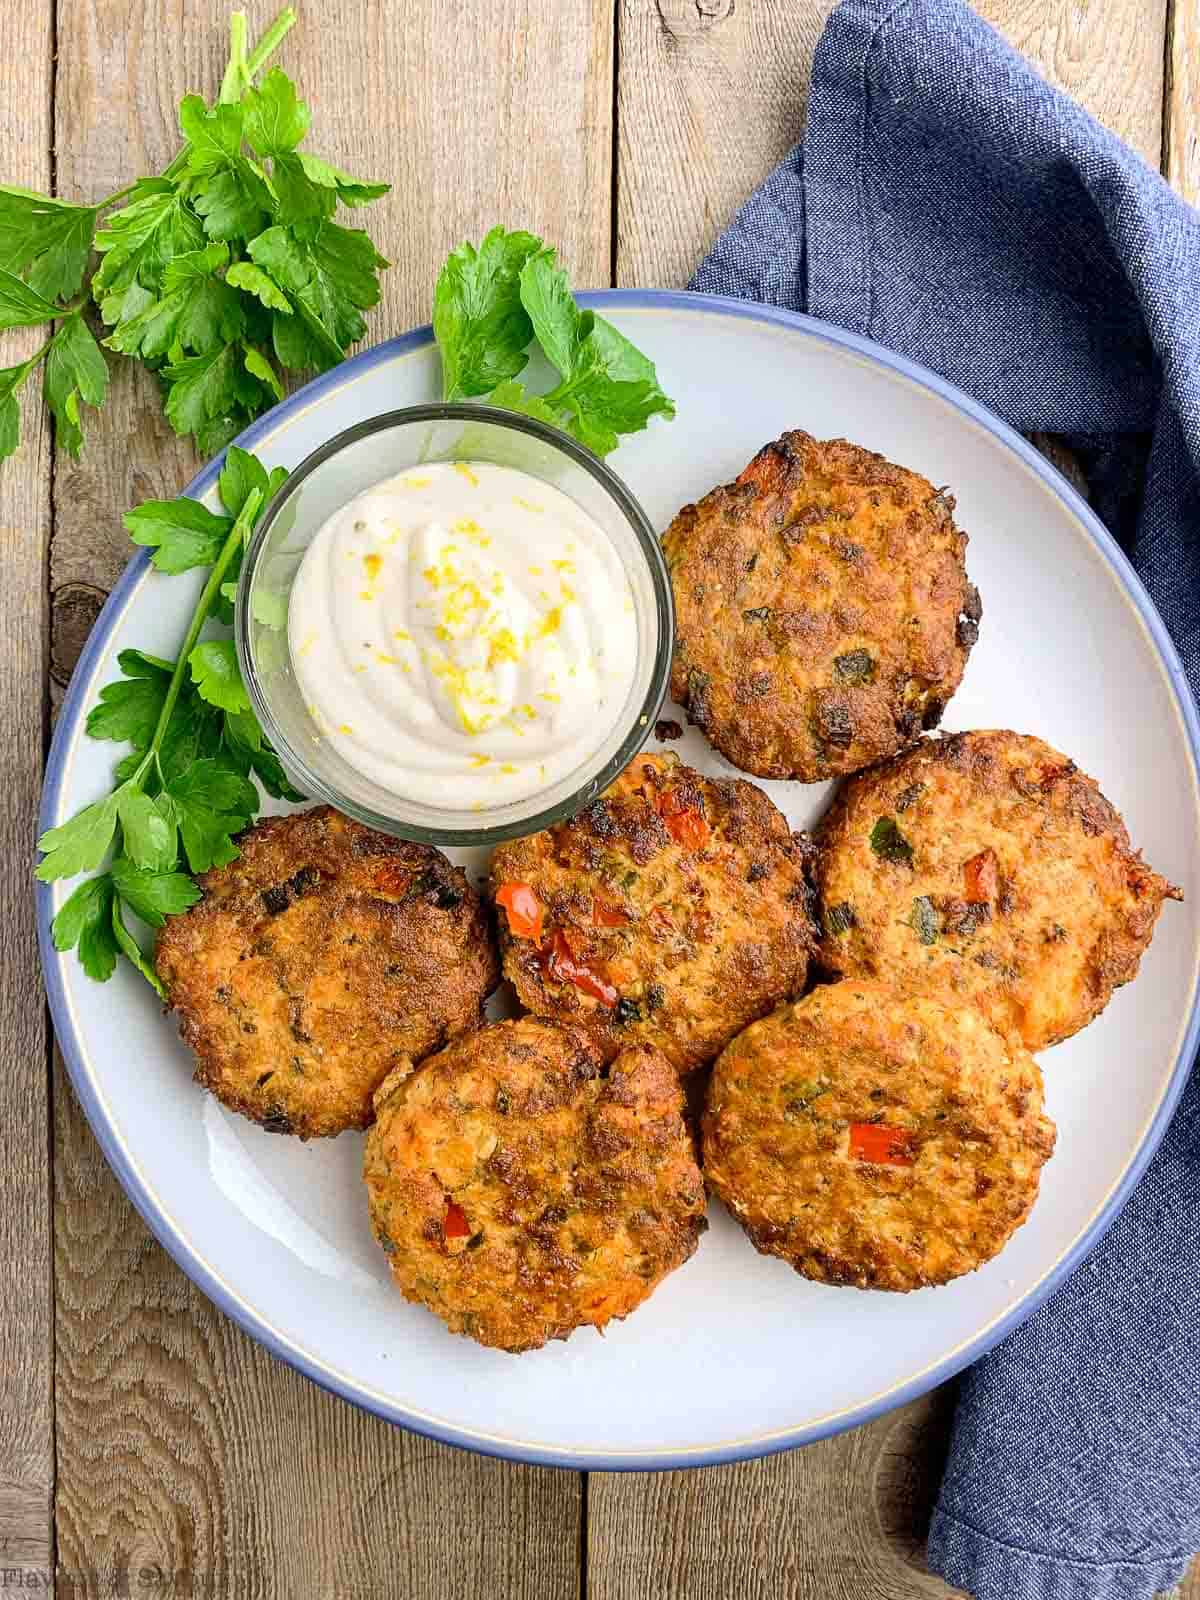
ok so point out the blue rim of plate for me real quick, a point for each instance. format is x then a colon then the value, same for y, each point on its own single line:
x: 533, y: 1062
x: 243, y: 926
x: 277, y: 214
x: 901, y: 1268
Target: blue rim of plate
x: 179, y: 1248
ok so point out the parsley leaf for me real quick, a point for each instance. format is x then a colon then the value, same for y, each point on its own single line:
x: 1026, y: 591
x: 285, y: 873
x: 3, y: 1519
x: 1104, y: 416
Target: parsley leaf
x: 197, y: 310
x: 210, y: 802
x: 211, y: 388
x: 910, y: 796
x: 245, y: 275
x: 141, y: 664
x: 193, y: 732
x: 350, y: 191
x: 75, y: 371
x: 81, y: 844
x: 608, y: 386
x: 510, y: 396
x: 488, y: 305
x: 300, y: 199
x: 153, y: 896
x: 236, y: 203
x: 213, y: 312
x: 275, y: 119
x: 259, y: 367
x: 215, y: 136
x: 305, y: 187
x: 329, y: 275
x: 11, y: 379
x: 10, y: 421
x: 215, y: 673
x: 299, y: 341
x: 558, y: 323
x: 840, y: 919
x: 236, y: 200
x: 246, y: 748
x: 856, y: 666
x: 269, y: 607
x: 481, y: 327
x: 147, y: 832
x: 21, y: 306
x: 129, y: 708
x: 85, y: 920
x: 243, y: 734
x: 137, y: 241
x: 182, y: 533
x: 46, y: 241
x: 612, y: 389
x: 243, y: 472
x: 132, y: 951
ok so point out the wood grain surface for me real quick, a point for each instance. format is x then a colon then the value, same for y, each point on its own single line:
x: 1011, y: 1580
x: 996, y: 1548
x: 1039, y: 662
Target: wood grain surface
x: 1181, y: 109
x: 710, y: 95
x: 188, y: 1461
x: 26, y: 1289
x: 1107, y: 54
x: 844, y: 1519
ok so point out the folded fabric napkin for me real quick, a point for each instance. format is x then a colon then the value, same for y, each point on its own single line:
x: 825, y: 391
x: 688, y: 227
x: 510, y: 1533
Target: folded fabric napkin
x: 949, y: 204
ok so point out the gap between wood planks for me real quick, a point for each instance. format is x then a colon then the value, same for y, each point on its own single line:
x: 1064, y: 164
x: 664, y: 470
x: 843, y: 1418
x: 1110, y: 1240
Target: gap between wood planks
x: 26, y: 1433
x: 47, y: 715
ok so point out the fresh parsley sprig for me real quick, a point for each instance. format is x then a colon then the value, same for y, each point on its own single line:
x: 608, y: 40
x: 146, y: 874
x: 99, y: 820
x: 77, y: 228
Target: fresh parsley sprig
x: 184, y: 791
x: 216, y: 274
x: 493, y: 301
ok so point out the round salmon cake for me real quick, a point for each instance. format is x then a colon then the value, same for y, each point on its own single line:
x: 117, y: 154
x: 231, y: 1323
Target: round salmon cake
x: 823, y: 612
x: 674, y: 909
x: 522, y: 1190
x: 316, y: 961
x: 988, y: 868
x: 876, y: 1140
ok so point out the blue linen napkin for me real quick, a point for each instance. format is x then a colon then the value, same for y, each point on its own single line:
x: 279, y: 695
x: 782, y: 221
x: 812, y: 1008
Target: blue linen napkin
x: 951, y: 205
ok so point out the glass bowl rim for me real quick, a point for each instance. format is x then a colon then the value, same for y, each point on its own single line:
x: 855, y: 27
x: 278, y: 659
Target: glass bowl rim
x: 647, y: 541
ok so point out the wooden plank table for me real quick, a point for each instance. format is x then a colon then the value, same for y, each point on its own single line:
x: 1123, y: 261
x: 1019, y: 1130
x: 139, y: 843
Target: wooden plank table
x: 147, y: 1446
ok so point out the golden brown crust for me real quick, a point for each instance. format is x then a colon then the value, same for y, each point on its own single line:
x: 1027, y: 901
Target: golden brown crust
x: 520, y: 1191
x: 788, y: 1144
x: 707, y: 938
x: 318, y: 959
x: 823, y: 612
x: 1009, y: 882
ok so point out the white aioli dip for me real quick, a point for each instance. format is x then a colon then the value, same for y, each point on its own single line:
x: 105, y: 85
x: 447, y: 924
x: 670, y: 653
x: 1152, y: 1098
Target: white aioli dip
x: 464, y: 634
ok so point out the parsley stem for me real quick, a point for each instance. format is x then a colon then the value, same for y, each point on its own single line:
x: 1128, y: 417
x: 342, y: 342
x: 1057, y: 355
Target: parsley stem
x: 559, y: 395
x: 204, y: 605
x: 111, y: 199
x: 236, y: 79
x: 271, y: 40
x: 28, y: 366
x: 177, y: 166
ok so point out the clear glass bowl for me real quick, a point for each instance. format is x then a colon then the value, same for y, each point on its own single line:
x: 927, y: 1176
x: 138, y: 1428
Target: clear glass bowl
x: 356, y: 460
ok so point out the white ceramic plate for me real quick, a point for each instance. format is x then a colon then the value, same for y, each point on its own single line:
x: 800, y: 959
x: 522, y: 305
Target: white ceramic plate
x: 734, y: 1355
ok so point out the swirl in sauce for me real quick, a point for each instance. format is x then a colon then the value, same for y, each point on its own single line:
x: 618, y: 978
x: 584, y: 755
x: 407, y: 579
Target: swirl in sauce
x: 464, y: 634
